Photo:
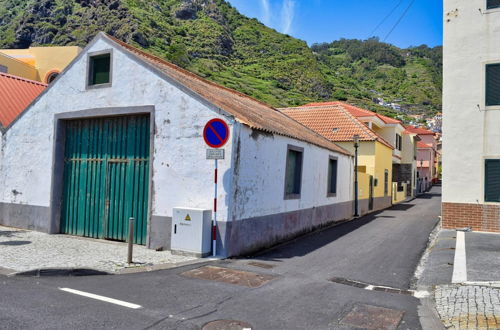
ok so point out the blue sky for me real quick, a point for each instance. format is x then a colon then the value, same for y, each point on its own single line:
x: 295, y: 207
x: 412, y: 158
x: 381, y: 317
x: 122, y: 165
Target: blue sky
x: 328, y: 20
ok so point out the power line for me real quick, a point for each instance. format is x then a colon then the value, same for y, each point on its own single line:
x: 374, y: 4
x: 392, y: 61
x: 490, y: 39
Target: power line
x: 399, y: 20
x: 386, y: 17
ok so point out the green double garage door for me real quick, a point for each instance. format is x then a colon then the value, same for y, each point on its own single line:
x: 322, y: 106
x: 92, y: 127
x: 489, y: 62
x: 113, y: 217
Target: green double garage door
x: 106, y: 175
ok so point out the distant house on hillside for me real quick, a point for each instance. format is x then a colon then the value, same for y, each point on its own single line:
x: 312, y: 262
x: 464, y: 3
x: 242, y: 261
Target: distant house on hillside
x: 119, y: 135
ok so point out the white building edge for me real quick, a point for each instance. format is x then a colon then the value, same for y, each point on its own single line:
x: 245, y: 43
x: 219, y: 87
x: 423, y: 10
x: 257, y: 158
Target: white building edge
x: 471, y: 116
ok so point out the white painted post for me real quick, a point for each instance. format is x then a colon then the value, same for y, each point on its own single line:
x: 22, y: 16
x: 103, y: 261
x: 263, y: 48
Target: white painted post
x: 214, y: 228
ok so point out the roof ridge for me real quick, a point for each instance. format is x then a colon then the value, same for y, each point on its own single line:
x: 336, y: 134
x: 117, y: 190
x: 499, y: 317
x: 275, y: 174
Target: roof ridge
x: 11, y: 76
x: 249, y: 111
x: 178, y: 68
x: 377, y: 136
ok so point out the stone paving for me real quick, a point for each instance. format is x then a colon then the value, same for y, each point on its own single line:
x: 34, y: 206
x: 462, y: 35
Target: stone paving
x: 22, y: 250
x: 468, y: 306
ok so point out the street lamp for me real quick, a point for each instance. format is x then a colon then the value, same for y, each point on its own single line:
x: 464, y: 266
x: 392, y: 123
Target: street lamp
x: 356, y: 145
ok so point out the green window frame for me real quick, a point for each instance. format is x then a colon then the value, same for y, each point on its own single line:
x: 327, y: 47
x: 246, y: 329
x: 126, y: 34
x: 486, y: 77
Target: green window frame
x: 99, y: 70
x: 293, y: 172
x: 332, y: 176
x: 492, y: 84
x: 492, y: 180
x: 492, y: 4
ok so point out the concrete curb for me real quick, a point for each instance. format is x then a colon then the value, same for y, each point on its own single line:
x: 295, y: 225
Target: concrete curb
x: 66, y: 272
x: 427, y: 313
x: 48, y: 272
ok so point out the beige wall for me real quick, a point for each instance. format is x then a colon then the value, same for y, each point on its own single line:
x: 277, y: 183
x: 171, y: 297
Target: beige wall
x: 18, y: 68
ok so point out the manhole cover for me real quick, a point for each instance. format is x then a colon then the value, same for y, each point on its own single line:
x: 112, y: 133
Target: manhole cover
x: 227, y: 325
x: 373, y: 317
x: 227, y: 275
x: 261, y: 265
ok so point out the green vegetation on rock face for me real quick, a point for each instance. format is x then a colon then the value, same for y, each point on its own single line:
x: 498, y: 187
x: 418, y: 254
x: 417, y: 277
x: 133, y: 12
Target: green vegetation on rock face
x: 210, y: 38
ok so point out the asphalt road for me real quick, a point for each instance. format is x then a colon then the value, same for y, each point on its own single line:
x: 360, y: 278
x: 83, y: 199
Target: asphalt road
x: 379, y: 249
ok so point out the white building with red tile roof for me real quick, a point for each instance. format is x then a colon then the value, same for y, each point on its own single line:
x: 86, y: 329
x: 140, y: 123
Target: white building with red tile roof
x: 119, y: 134
x: 380, y: 159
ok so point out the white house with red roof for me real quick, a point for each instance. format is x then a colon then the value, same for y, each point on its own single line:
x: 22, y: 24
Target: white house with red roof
x: 119, y: 134
x: 330, y: 120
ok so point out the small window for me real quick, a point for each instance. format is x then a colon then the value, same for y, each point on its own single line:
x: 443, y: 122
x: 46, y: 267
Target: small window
x: 293, y: 174
x: 332, y: 177
x: 52, y: 77
x: 386, y: 182
x: 4, y: 69
x: 492, y: 180
x: 492, y: 84
x: 100, y: 69
x: 399, y: 142
x: 490, y: 4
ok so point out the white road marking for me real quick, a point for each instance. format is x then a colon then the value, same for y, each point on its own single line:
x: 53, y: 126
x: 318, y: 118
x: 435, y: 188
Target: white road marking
x: 102, y: 298
x: 420, y: 294
x: 460, y: 262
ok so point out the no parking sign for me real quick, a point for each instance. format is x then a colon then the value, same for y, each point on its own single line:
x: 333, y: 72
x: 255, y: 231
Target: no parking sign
x: 215, y: 134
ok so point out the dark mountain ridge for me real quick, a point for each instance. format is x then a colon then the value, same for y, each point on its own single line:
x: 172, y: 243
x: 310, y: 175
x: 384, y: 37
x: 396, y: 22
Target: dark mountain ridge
x: 212, y: 39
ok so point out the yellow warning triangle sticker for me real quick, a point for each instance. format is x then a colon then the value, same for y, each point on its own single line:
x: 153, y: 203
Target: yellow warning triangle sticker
x: 187, y: 218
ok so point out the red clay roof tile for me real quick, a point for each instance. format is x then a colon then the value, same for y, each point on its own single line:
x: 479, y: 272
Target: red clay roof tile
x: 358, y: 112
x: 419, y: 131
x: 16, y: 94
x: 422, y: 145
x: 333, y: 121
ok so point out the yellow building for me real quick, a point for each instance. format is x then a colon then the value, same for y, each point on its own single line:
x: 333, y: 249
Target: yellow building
x: 375, y: 154
x: 37, y: 63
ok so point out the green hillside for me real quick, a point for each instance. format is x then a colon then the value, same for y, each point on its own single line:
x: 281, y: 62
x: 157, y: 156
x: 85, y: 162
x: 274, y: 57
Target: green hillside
x: 211, y: 38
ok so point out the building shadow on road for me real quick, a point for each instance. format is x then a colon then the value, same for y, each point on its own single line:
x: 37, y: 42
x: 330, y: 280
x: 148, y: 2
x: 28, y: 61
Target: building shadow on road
x: 308, y: 243
x: 304, y: 245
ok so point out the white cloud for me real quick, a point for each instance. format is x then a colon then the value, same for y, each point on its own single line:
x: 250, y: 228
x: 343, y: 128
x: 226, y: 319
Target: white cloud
x: 287, y: 16
x: 266, y: 12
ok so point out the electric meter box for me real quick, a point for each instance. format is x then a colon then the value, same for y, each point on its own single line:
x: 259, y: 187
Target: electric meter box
x: 191, y: 232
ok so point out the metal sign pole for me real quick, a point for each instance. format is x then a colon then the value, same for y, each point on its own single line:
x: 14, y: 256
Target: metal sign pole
x: 214, y: 229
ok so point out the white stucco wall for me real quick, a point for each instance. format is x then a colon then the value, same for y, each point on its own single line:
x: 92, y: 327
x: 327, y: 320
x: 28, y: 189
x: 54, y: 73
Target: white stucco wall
x: 181, y: 174
x: 470, y: 130
x: 261, y: 176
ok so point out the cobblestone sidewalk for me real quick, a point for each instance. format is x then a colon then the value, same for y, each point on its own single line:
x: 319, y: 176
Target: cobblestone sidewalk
x: 468, y: 306
x: 22, y: 250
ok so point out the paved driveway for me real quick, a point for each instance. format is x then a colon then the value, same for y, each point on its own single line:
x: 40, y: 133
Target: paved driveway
x: 23, y: 250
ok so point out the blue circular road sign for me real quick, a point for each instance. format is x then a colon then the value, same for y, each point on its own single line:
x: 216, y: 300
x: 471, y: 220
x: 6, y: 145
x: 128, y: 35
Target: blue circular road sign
x: 216, y: 133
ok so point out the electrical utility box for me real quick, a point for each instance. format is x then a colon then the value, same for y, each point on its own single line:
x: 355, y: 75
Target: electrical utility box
x: 191, y: 232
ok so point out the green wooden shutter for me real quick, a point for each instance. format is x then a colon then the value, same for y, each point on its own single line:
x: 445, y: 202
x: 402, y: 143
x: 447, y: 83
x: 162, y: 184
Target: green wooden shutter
x: 492, y: 180
x: 106, y: 177
x: 493, y: 84
x: 490, y: 4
